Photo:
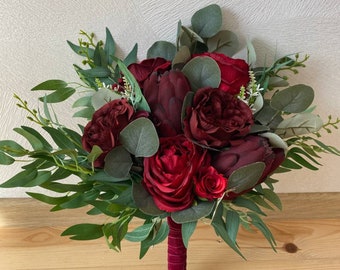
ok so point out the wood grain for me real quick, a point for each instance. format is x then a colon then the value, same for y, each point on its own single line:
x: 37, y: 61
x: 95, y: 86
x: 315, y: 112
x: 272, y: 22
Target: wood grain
x: 307, y: 232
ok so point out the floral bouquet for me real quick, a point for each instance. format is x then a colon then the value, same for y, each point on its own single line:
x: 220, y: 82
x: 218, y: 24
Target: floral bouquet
x: 188, y: 134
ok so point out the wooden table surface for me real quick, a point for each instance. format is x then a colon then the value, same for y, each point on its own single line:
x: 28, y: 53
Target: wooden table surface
x: 307, y: 232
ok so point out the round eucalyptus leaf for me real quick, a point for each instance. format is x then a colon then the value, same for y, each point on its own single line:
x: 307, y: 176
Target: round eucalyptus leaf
x: 299, y: 124
x: 118, y: 163
x: 207, y: 21
x: 275, y: 140
x: 188, y: 37
x: 103, y: 96
x: 193, y: 213
x: 245, y: 177
x: 293, y: 99
x: 144, y: 200
x: 202, y: 72
x: 181, y: 57
x: 162, y: 49
x: 225, y: 42
x: 140, y: 138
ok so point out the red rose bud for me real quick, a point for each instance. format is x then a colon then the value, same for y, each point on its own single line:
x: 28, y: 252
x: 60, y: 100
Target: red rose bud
x: 246, y: 151
x: 209, y: 184
x: 234, y: 72
x: 168, y: 175
x: 141, y: 71
x: 165, y: 94
x: 106, y: 124
x: 216, y: 117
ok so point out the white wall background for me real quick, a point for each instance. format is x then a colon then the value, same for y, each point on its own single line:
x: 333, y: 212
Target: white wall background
x: 33, y: 48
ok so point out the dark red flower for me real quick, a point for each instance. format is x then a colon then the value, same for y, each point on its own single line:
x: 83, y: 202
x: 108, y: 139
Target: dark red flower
x: 165, y: 94
x: 216, y: 117
x: 245, y: 151
x: 209, y: 184
x: 234, y: 72
x: 168, y: 175
x: 106, y: 124
x: 141, y: 71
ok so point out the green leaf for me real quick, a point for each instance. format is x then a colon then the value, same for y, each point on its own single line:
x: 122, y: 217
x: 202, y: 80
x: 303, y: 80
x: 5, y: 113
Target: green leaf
x: 202, y: 72
x: 299, y: 159
x: 5, y: 159
x: 37, y: 135
x: 58, y: 95
x: 12, y: 148
x: 163, y: 49
x: 140, y: 233
x: 299, y: 124
x: 225, y: 42
x: 294, y: 99
x: 188, y: 229
x: 96, y: 72
x: 245, y: 177
x: 110, y: 47
x: 94, y: 154
x: 201, y: 210
x: 249, y: 204
x: 251, y: 54
x: 144, y: 200
x: 287, y: 163
x: 118, y: 163
x: 271, y: 196
x: 85, y: 231
x: 33, y: 140
x: 140, y: 138
x: 103, y: 96
x: 85, y: 113
x: 232, y: 224
x: 48, y: 199
x: 207, y: 21
x: 60, y: 138
x: 132, y: 56
x: 84, y: 101
x: 182, y: 56
x: 27, y: 178
x: 50, y: 85
x: 258, y: 222
x: 221, y: 230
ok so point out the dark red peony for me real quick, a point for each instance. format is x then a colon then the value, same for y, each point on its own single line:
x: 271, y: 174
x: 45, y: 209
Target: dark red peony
x: 246, y: 151
x: 217, y: 117
x: 209, y: 184
x: 106, y: 124
x: 165, y: 94
x: 141, y: 71
x: 234, y: 72
x: 168, y: 175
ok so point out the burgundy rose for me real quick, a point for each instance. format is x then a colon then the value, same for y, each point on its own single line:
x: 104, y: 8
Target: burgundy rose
x: 168, y: 175
x: 141, y: 71
x: 246, y: 151
x: 106, y: 124
x: 217, y: 117
x: 234, y: 72
x: 209, y: 184
x: 165, y: 94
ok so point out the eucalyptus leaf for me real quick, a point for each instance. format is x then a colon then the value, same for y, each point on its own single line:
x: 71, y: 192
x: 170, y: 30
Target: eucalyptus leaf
x: 299, y: 124
x: 140, y: 138
x: 201, y: 210
x: 99, y: 57
x: 271, y: 196
x: 96, y: 72
x: 232, y: 224
x: 188, y: 229
x: 85, y: 231
x: 81, y: 50
x: 207, y: 21
x: 36, y: 134
x: 188, y: 37
x: 50, y: 85
x: 103, y: 96
x: 132, y: 56
x: 27, y: 178
x: 85, y: 113
x: 84, y: 101
x: 110, y: 47
x: 33, y: 140
x: 181, y: 57
x: 60, y: 138
x: 140, y: 233
x: 275, y: 140
x: 225, y: 42
x: 58, y: 95
x: 294, y: 99
x: 144, y: 200
x: 245, y: 177
x: 118, y: 163
x: 6, y: 159
x: 12, y: 148
x: 202, y: 72
x: 163, y: 49
x: 94, y: 154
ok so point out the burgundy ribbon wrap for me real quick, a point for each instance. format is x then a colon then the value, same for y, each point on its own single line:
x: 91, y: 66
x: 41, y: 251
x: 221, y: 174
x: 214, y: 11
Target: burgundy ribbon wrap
x: 177, y: 252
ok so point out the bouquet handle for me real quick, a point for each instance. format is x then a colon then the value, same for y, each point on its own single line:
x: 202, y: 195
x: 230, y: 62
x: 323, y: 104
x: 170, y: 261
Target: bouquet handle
x: 177, y: 252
